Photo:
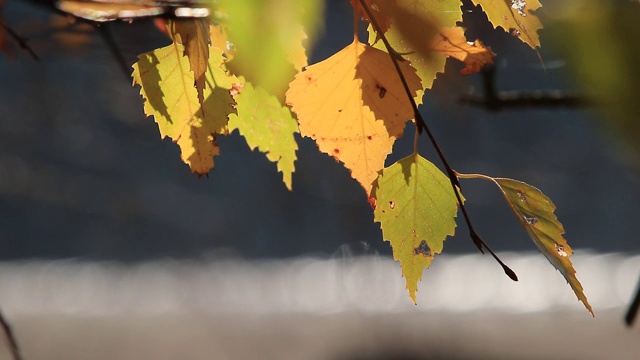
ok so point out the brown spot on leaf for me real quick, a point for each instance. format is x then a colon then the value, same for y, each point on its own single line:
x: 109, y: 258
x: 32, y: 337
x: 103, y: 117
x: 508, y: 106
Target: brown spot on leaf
x: 422, y: 249
x: 381, y: 90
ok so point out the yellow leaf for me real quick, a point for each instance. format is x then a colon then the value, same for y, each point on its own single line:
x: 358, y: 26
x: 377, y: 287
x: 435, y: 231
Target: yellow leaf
x: 534, y: 212
x: 297, y: 55
x: 416, y: 208
x: 167, y: 85
x: 452, y: 42
x: 193, y: 34
x: 354, y: 106
x: 516, y: 17
x: 220, y: 40
x: 267, y: 125
x: 416, y: 14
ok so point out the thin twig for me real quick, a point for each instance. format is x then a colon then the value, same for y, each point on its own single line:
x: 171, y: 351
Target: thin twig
x: 422, y: 126
x: 22, y: 42
x: 8, y: 334
x: 113, y: 47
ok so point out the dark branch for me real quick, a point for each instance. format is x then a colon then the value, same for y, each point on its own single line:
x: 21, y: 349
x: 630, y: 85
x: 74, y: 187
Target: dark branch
x: 22, y: 42
x: 422, y: 126
x: 113, y: 47
x: 8, y: 333
x: 496, y: 101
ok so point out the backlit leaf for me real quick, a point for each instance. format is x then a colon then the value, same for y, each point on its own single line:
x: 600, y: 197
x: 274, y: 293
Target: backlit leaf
x: 267, y: 125
x: 452, y: 42
x: 534, y: 211
x: 193, y: 34
x: 220, y: 39
x: 166, y: 82
x: 416, y: 208
x: 514, y: 16
x: 354, y: 106
x: 419, y: 22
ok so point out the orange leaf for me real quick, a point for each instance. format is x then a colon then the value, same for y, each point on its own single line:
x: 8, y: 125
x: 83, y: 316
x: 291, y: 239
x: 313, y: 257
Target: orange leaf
x: 452, y: 42
x: 354, y: 106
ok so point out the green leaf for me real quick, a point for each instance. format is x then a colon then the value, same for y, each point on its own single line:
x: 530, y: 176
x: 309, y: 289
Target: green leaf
x: 268, y: 35
x: 167, y: 84
x: 534, y: 211
x: 416, y: 208
x: 268, y: 125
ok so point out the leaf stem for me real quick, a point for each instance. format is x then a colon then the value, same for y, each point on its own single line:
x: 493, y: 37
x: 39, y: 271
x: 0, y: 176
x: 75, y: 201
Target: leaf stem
x: 422, y: 126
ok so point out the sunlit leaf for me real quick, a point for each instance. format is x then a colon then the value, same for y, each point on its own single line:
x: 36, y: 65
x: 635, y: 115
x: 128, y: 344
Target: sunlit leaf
x: 515, y: 16
x: 193, y: 34
x: 166, y: 82
x: 354, y: 106
x: 416, y: 208
x: 452, y: 42
x: 412, y: 35
x: 220, y: 39
x: 534, y: 212
x: 267, y: 125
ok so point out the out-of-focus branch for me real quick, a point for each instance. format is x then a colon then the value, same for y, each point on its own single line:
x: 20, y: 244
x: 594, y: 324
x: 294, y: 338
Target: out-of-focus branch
x: 11, y: 340
x: 494, y: 100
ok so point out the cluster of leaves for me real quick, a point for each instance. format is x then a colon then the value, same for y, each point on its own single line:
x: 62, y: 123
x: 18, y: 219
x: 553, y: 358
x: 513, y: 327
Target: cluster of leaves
x: 244, y: 68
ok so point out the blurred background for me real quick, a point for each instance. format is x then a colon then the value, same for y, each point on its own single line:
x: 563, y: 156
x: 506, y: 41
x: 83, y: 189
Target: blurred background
x: 111, y: 248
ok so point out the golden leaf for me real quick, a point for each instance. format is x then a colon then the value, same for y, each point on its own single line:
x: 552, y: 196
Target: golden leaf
x: 354, y: 106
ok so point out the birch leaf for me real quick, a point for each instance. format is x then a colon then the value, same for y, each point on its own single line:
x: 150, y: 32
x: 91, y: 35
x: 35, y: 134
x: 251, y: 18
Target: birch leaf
x: 354, y: 106
x: 166, y: 82
x: 416, y: 208
x: 516, y: 17
x: 534, y: 212
x: 267, y: 125
x: 193, y: 34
